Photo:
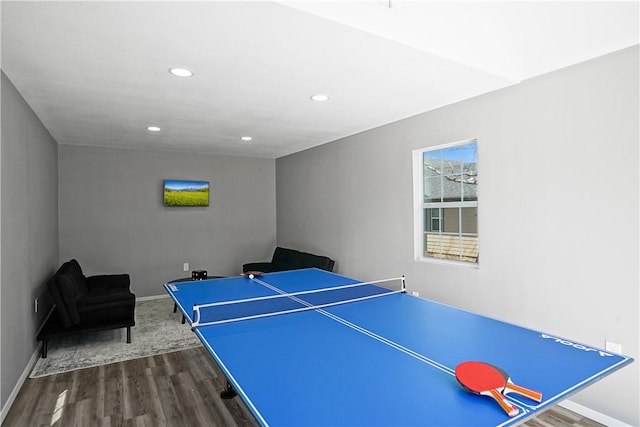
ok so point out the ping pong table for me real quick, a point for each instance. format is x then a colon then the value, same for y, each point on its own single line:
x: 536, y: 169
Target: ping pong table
x: 383, y: 358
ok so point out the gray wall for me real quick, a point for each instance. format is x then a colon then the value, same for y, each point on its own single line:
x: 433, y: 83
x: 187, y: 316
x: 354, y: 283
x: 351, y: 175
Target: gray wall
x: 29, y: 218
x: 112, y: 218
x: 558, y: 209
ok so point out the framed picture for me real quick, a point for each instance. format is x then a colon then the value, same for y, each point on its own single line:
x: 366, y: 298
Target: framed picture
x: 186, y: 193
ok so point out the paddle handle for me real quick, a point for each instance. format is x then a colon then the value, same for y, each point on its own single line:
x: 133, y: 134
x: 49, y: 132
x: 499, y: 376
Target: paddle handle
x: 531, y: 394
x: 511, y: 410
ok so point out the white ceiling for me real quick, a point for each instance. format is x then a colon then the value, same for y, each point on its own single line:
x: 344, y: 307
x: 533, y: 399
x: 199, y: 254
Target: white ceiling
x: 96, y: 73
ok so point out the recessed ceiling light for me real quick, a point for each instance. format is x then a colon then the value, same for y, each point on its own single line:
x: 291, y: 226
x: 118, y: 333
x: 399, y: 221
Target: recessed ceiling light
x: 320, y: 97
x: 180, y: 72
x: 246, y: 138
x: 153, y: 128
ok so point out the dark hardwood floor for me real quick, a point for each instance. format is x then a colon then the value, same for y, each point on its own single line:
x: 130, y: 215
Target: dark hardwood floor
x: 173, y: 389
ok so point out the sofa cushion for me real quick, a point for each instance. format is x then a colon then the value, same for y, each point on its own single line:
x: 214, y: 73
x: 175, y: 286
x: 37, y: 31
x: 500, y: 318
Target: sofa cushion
x: 107, y: 296
x: 52, y: 286
x: 108, y: 283
x: 284, y: 266
x: 265, y: 267
x: 68, y: 289
x: 283, y: 256
x: 72, y: 269
x: 106, y: 301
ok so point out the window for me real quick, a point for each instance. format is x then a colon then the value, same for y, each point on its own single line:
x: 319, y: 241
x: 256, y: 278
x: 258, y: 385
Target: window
x: 446, y: 202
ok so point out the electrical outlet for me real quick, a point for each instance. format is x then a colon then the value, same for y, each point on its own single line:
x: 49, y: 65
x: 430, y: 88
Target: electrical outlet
x: 35, y: 305
x: 185, y: 266
x: 415, y: 293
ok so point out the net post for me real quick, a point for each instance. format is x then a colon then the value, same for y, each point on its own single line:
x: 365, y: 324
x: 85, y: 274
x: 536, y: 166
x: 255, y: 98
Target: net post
x: 195, y: 317
x: 404, y: 285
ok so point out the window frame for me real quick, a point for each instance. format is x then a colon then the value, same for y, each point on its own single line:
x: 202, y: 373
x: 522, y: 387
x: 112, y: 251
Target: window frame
x: 420, y: 205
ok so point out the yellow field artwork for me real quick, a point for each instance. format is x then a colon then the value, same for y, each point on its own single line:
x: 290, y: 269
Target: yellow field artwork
x: 186, y: 193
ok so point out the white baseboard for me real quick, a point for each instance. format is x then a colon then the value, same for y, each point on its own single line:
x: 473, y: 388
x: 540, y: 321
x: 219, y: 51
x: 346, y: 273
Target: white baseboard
x: 34, y: 358
x: 25, y: 374
x: 591, y: 414
x: 27, y: 370
x: 152, y: 297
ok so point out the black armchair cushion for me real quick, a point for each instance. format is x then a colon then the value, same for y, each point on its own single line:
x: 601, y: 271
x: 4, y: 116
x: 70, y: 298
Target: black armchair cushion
x: 290, y: 259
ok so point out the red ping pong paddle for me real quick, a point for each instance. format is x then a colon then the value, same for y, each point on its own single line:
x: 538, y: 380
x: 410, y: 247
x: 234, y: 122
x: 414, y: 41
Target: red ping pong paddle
x: 514, y: 388
x: 483, y: 379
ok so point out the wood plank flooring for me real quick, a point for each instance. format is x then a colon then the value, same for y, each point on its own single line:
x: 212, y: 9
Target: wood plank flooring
x: 173, y: 389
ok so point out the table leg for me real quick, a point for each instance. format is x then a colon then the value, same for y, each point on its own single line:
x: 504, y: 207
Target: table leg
x: 228, y: 392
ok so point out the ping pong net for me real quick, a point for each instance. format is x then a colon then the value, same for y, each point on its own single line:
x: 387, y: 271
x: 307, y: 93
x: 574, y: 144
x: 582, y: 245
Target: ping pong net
x: 282, y: 302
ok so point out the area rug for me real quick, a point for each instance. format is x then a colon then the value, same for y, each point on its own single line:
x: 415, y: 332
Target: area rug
x: 158, y: 330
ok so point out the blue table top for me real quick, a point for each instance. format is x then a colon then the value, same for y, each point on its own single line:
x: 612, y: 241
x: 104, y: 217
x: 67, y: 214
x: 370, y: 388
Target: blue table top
x: 380, y: 362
